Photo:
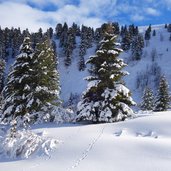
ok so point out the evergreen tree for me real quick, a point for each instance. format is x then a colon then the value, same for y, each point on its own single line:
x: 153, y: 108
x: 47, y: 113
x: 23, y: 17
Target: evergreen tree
x: 45, y: 90
x: 169, y: 28
x: 81, y: 64
x: 126, y: 41
x: 49, y: 33
x: 116, y: 28
x: 106, y: 98
x: 137, y: 47
x: 2, y: 45
x: 17, y: 88
x: 147, y: 35
x: 32, y: 84
x: 163, y: 98
x: 58, y: 30
x: 64, y: 35
x: 2, y: 68
x: 98, y: 34
x: 148, y: 100
x: 69, y: 46
x: 170, y: 37
x: 154, y: 32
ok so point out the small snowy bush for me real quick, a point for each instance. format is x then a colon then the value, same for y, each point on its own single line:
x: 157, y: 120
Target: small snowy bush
x: 56, y: 114
x: 25, y: 143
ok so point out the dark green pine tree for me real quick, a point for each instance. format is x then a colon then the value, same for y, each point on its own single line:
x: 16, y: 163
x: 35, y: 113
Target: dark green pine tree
x: 106, y: 98
x: 162, y: 102
x: 147, y: 100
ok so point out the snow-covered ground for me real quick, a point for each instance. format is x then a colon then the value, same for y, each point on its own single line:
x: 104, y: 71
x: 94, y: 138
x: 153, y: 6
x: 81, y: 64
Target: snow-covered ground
x: 143, y: 144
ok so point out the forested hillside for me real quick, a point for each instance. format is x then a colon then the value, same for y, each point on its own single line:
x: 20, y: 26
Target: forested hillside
x: 146, y: 51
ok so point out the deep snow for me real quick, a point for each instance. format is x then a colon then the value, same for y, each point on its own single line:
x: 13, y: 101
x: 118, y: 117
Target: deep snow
x: 142, y: 143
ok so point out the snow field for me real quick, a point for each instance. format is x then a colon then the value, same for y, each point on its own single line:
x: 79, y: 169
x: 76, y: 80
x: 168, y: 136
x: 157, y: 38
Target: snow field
x: 143, y: 144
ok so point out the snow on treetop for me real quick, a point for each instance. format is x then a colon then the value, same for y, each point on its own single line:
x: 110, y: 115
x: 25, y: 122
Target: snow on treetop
x: 90, y: 78
x: 100, y: 51
x: 93, y: 83
x: 114, y: 52
x: 109, y: 94
x: 101, y: 69
x: 126, y: 109
x: 122, y: 89
x: 26, y: 39
x: 117, y: 44
x: 104, y: 41
x: 119, y: 49
x: 110, y: 34
x: 104, y: 64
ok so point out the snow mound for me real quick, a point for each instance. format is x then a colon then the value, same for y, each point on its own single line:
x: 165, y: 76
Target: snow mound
x: 136, y: 134
x: 24, y: 144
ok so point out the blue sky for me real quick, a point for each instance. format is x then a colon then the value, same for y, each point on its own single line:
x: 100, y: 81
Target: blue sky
x: 34, y: 14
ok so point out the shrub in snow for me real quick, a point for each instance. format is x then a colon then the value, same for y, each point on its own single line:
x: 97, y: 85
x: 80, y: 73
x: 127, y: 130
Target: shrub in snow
x: 33, y: 82
x: 23, y: 144
x: 106, y: 98
x: 56, y: 114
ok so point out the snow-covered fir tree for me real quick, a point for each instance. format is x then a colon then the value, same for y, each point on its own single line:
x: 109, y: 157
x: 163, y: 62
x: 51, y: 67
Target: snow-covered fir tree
x: 162, y: 102
x: 106, y: 98
x: 32, y: 84
x: 46, y: 89
x: 147, y: 100
x: 17, y: 88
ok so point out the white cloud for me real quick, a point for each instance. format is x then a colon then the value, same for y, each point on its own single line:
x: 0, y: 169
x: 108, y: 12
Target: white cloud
x: 137, y: 17
x: 20, y: 15
x: 152, y: 11
x: 23, y: 16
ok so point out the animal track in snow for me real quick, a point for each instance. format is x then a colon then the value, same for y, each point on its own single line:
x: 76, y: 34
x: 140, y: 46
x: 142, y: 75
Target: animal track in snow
x: 86, y: 151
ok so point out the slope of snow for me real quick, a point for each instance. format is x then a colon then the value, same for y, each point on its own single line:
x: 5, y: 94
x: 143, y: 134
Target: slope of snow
x: 71, y: 79
x: 161, y: 44
x: 143, y: 144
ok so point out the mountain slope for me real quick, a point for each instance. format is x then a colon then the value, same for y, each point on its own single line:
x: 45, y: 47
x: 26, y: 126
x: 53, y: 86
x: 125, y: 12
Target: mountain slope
x: 155, y: 61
